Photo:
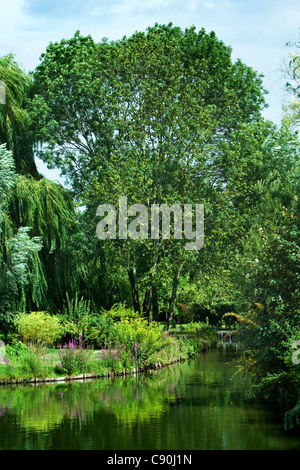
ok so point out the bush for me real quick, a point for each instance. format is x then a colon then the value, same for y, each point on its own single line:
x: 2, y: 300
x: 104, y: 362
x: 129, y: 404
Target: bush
x: 142, y: 341
x: 39, y: 328
x: 114, y: 358
x: 99, y: 330
x: 94, y: 329
x: 32, y: 363
x: 120, y: 312
x: 16, y: 350
x: 73, y: 358
x: 22, y: 360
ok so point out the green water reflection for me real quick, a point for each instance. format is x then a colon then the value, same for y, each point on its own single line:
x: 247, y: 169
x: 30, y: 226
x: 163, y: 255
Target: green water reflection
x: 201, y: 404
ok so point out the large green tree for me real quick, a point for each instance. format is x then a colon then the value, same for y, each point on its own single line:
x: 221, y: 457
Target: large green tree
x: 266, y: 273
x: 145, y: 117
x: 44, y: 207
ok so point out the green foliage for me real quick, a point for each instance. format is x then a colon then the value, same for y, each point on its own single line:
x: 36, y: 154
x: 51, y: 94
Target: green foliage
x: 291, y: 107
x: 7, y: 174
x: 76, y: 308
x: 33, y: 223
x: 16, y: 349
x: 79, y: 320
x: 20, y: 270
x: 271, y: 283
x: 142, y: 341
x: 274, y: 278
x: 39, y: 327
x: 114, y: 358
x: 24, y: 267
x: 47, y: 208
x: 14, y: 116
x: 98, y: 330
x: 24, y: 361
x: 32, y: 364
x: 73, y: 358
x: 145, y: 116
x: 119, y: 311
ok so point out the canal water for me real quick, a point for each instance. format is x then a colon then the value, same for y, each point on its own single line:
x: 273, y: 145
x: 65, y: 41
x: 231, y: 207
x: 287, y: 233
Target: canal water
x: 202, y: 404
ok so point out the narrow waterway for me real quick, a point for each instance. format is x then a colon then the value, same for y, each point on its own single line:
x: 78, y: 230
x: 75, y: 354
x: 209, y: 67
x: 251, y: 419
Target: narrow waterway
x: 202, y: 404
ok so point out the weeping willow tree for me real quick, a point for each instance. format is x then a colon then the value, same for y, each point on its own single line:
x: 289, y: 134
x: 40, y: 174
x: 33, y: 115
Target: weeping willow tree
x: 48, y: 209
x: 45, y: 250
x: 40, y: 244
x: 20, y: 266
x: 14, y: 117
x: 28, y: 200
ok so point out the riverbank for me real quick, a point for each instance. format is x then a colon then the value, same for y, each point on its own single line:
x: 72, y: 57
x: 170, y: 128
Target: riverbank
x: 111, y: 373
x: 73, y: 362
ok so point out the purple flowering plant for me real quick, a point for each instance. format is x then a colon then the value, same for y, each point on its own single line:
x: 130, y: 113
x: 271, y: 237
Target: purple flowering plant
x: 74, y: 357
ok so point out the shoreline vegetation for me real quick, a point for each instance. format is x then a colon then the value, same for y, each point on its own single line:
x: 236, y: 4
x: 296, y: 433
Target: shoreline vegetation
x: 109, y: 373
x: 133, y: 347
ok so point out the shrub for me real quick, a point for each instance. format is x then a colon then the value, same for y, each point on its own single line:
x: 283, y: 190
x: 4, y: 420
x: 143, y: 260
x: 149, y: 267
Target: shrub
x: 95, y: 329
x: 76, y: 308
x: 9, y: 368
x: 120, y: 312
x: 140, y: 339
x: 73, y: 357
x: 99, y: 330
x: 16, y: 350
x: 39, y: 327
x: 114, y: 358
x: 32, y: 363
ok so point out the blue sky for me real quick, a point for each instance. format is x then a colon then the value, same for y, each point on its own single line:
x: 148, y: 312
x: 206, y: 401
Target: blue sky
x: 257, y: 30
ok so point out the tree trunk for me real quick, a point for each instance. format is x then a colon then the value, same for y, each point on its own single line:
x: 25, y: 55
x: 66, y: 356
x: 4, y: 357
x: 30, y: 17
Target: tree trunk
x: 134, y: 288
x: 150, y: 300
x: 147, y: 302
x: 154, y: 304
x: 173, y: 296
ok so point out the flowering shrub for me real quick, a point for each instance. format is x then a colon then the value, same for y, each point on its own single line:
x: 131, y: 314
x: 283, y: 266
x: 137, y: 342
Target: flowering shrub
x: 9, y: 368
x: 113, y: 357
x: 23, y: 360
x: 95, y: 329
x: 141, y: 340
x: 73, y: 357
x: 72, y: 329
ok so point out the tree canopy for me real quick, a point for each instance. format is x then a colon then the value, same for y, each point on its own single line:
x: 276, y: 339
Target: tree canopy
x: 144, y: 117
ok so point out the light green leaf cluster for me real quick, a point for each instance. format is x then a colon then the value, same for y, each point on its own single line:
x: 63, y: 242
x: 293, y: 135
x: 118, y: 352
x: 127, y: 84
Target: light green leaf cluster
x: 7, y: 174
x: 291, y: 108
x: 39, y: 327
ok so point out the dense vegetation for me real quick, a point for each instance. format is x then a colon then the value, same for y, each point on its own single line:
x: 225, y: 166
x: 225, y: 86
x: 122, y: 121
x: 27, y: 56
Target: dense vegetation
x: 161, y: 117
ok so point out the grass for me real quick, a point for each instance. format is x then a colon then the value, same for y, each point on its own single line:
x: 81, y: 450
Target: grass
x: 26, y: 363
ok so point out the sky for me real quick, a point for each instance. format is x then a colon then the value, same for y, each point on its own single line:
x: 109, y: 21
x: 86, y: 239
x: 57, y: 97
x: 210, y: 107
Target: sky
x: 256, y: 30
